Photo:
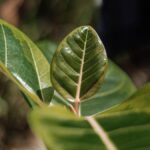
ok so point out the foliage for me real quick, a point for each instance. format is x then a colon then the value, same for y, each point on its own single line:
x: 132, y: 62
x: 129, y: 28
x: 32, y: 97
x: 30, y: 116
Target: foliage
x: 61, y: 130
x: 107, y: 96
x: 77, y: 70
x: 113, y: 91
x: 41, y: 20
x: 21, y: 61
x: 81, y: 65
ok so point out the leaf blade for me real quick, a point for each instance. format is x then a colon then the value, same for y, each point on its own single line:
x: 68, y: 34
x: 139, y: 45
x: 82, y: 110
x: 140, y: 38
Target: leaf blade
x: 23, y: 62
x: 116, y: 88
x: 72, y: 61
x: 59, y: 127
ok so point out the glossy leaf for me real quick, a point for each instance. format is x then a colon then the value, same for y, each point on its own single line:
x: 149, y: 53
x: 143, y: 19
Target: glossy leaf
x: 128, y: 128
x: 23, y: 62
x: 139, y: 100
x: 79, y: 64
x: 48, y: 49
x: 116, y: 88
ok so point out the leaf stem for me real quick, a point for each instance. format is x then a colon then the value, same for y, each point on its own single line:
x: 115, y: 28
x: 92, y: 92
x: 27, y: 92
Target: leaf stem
x: 77, y: 107
x: 101, y: 133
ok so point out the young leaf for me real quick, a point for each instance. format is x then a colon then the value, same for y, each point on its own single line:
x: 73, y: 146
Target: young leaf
x: 79, y: 64
x: 116, y: 88
x: 23, y: 63
x: 128, y: 128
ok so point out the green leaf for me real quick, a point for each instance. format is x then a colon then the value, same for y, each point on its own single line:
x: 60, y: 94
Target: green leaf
x: 116, y: 88
x: 127, y: 126
x: 61, y: 130
x: 23, y: 62
x: 139, y: 100
x: 48, y: 49
x: 79, y: 64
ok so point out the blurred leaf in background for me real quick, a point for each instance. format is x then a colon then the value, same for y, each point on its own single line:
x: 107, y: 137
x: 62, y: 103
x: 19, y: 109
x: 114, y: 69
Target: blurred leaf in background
x: 3, y: 108
x: 48, y: 48
x: 13, y: 111
x: 51, y: 15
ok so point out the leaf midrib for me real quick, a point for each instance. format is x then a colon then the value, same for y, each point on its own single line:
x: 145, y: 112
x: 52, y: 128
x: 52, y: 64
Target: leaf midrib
x: 36, y: 69
x: 101, y: 133
x: 6, y: 58
x: 77, y: 98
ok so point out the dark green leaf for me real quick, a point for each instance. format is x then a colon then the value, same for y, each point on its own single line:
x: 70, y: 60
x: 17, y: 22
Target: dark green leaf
x: 116, y: 88
x: 79, y: 64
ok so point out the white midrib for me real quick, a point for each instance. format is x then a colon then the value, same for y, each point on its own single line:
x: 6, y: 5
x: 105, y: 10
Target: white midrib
x: 96, y: 127
x: 36, y: 69
x: 5, y: 45
x: 77, y: 98
x: 101, y: 133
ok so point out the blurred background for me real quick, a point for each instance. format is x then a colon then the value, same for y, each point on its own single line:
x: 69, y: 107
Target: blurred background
x: 123, y: 26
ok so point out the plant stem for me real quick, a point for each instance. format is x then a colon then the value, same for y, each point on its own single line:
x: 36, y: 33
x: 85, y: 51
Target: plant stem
x: 77, y: 107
